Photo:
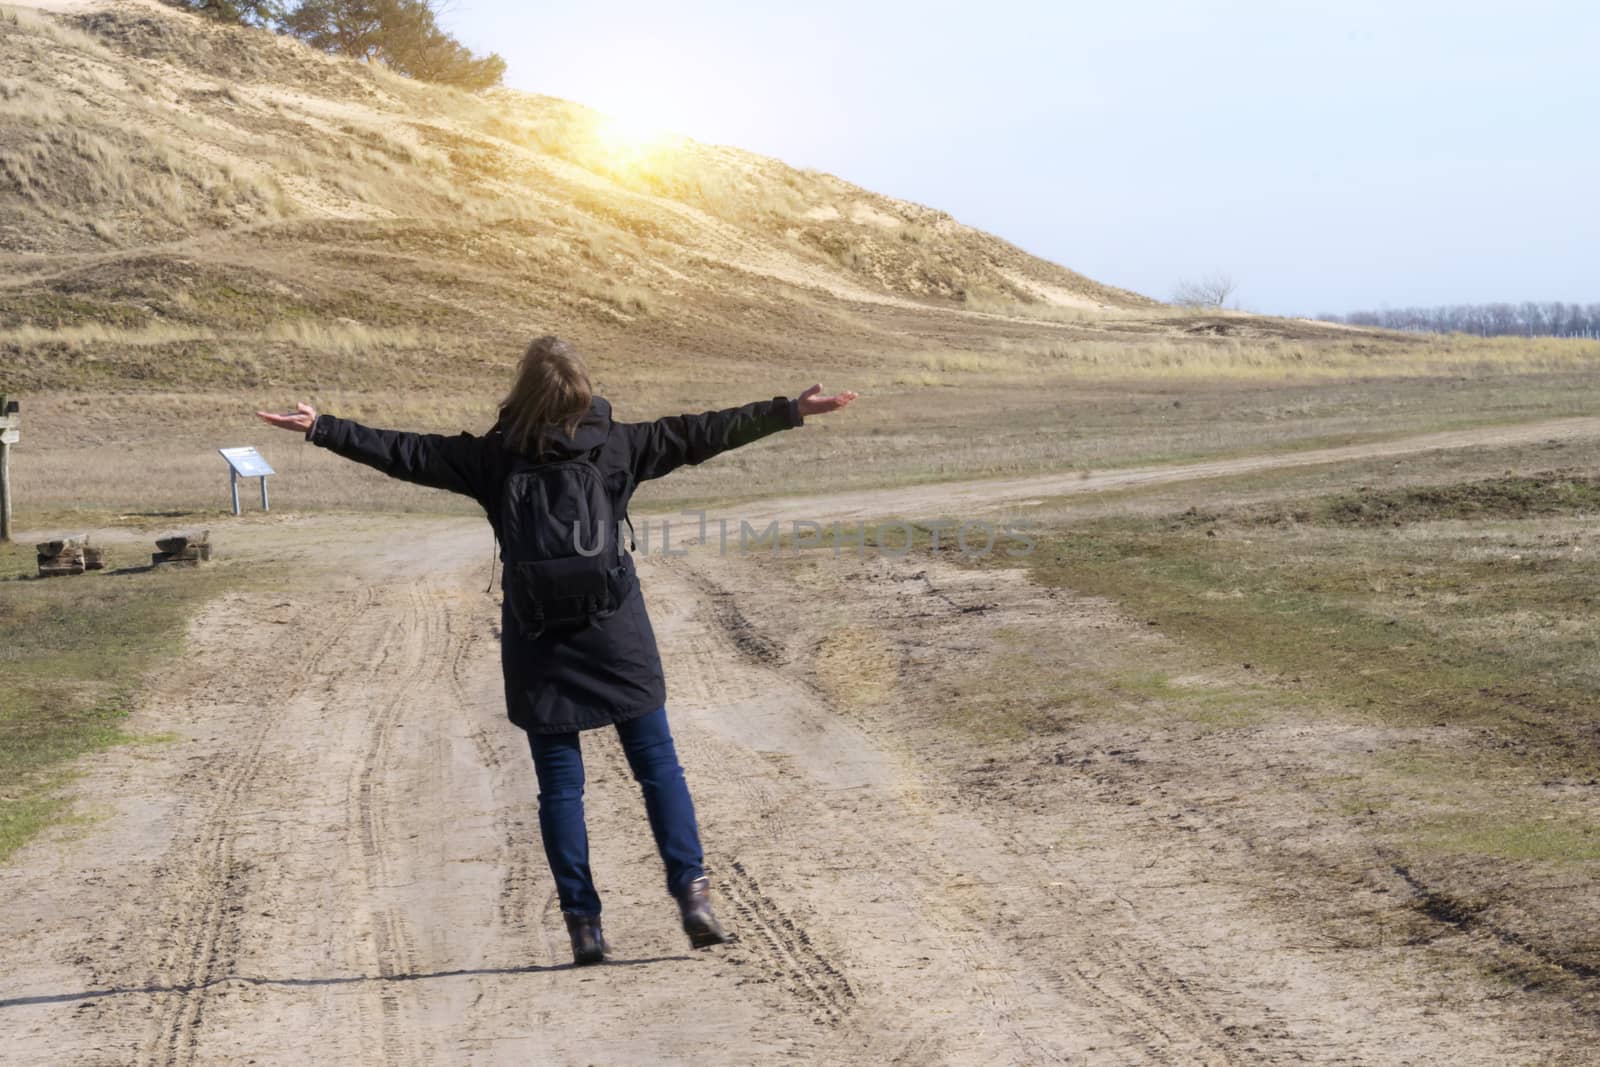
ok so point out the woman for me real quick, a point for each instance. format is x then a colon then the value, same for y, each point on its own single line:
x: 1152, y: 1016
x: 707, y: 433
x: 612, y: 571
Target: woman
x: 565, y: 674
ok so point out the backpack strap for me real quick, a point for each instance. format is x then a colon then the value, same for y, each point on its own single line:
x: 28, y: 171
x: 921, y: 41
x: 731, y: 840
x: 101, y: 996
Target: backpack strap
x: 594, y: 458
x: 494, y: 550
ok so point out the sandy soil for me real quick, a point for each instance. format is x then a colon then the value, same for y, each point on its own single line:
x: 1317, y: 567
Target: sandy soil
x: 337, y: 861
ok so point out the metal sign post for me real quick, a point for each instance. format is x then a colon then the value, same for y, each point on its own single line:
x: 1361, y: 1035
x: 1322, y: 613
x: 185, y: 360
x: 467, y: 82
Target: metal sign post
x: 10, y: 434
x: 246, y: 463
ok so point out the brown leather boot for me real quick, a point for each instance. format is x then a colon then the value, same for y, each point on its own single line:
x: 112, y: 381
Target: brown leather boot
x: 698, y: 921
x: 588, y: 945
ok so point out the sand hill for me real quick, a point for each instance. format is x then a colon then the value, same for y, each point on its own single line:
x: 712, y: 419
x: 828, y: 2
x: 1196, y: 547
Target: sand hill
x: 168, y: 182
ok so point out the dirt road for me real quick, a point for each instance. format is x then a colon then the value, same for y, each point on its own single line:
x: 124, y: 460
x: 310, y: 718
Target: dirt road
x: 337, y: 858
x: 975, y: 497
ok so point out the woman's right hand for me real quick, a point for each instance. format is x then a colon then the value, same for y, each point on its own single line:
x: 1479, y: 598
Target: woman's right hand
x: 302, y: 418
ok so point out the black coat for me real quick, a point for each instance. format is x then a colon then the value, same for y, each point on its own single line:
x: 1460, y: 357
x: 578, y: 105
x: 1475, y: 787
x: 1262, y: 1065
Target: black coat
x: 609, y: 671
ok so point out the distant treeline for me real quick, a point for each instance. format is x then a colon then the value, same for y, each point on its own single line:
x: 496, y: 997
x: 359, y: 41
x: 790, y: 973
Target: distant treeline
x: 1530, y: 319
x: 403, y: 35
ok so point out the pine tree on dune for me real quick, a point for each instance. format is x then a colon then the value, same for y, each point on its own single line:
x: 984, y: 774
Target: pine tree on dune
x: 403, y: 35
x: 246, y: 12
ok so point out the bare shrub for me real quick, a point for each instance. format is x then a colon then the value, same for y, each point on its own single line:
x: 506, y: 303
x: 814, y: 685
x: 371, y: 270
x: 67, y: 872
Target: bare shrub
x: 1211, y: 291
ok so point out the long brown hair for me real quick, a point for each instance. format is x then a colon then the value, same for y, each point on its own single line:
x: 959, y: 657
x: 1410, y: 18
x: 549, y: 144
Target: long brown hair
x: 552, y: 389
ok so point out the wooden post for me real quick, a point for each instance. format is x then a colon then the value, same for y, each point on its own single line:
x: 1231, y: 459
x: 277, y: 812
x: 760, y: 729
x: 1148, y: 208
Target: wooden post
x: 10, y: 434
x: 5, y: 491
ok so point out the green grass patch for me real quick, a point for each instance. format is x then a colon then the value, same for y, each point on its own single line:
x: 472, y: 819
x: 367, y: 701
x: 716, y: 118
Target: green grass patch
x: 1018, y: 691
x: 1516, y: 840
x: 73, y: 652
x: 1517, y: 497
x: 1455, y: 625
x: 1221, y: 705
x: 51, y: 309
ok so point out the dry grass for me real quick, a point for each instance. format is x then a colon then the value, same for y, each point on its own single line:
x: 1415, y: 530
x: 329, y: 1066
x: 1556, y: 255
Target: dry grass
x: 30, y: 22
x: 1109, y: 357
x: 1180, y: 359
x: 88, y: 335
x: 345, y: 338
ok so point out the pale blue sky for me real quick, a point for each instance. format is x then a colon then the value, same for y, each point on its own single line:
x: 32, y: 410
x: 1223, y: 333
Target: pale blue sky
x: 1329, y: 156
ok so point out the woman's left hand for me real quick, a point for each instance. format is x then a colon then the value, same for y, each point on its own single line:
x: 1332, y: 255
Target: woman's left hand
x: 304, y: 415
x: 812, y: 404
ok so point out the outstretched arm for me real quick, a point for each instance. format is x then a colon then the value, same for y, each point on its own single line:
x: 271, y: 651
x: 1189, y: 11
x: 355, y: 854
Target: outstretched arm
x: 660, y: 447
x: 459, y: 464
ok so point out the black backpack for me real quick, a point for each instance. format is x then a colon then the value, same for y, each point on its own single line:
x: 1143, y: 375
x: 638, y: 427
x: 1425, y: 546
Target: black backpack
x: 558, y: 539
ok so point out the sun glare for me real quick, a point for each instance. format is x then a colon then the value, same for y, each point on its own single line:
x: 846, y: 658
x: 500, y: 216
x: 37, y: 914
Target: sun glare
x: 632, y: 139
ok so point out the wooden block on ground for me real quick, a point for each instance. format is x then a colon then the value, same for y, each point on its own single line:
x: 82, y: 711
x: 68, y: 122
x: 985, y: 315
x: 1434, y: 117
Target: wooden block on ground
x: 64, y: 556
x: 179, y: 542
x: 184, y: 549
x: 94, y: 559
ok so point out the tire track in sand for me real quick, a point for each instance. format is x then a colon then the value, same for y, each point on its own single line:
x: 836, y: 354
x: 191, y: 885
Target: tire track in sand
x: 784, y: 948
x: 202, y: 920
x: 516, y: 836
x: 1132, y: 993
x: 419, y: 654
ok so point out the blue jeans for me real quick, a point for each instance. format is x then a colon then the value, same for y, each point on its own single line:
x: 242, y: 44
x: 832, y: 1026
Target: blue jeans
x: 647, y: 742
